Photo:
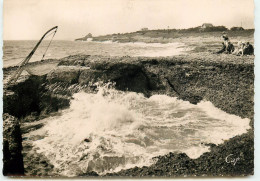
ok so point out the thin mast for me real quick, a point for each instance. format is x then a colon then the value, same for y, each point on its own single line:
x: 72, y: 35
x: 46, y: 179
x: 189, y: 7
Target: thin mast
x: 16, y: 75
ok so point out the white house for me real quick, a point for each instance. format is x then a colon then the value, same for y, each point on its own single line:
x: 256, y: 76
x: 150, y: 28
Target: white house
x: 206, y: 25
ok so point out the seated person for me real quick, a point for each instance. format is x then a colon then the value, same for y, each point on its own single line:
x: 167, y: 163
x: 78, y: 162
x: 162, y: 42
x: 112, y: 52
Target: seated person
x: 240, y: 48
x: 223, y: 49
x: 230, y: 48
x: 248, y: 49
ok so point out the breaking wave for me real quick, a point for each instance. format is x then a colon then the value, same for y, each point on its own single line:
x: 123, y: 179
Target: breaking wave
x: 113, y: 130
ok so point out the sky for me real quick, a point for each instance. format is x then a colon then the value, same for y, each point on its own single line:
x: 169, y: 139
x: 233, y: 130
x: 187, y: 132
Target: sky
x: 30, y: 19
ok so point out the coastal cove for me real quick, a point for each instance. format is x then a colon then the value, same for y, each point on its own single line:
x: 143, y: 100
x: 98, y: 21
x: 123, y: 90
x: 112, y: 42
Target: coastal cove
x: 129, y: 89
x: 226, y: 81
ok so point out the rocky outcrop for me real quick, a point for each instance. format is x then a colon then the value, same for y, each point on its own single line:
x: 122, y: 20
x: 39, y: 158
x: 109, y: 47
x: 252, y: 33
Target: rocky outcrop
x: 235, y: 157
x: 227, y: 82
x: 67, y: 74
x: 29, y: 101
x: 85, y: 38
x: 126, y: 76
x: 32, y: 98
x: 228, y: 86
x: 12, y: 147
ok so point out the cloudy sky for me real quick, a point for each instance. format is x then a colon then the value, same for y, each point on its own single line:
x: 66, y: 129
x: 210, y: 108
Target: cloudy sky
x: 29, y: 19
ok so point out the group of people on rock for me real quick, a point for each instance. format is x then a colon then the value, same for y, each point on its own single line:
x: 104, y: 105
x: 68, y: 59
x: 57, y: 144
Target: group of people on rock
x: 242, y: 47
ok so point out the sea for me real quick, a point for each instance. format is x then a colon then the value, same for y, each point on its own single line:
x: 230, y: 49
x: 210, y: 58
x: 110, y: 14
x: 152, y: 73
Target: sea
x: 112, y: 130
x: 15, y: 51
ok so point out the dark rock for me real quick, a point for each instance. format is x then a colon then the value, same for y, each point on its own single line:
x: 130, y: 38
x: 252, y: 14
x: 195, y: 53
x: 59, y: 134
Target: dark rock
x: 12, y: 148
x: 89, y: 174
x: 74, y: 60
x: 87, y: 140
x: 68, y: 74
x: 25, y: 99
x: 31, y: 99
x: 27, y: 129
x: 228, y: 84
x: 126, y: 76
x: 88, y: 77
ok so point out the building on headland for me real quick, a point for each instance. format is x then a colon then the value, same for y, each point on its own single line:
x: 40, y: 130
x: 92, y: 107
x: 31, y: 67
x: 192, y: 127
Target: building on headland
x: 237, y: 29
x: 144, y: 29
x: 206, y: 25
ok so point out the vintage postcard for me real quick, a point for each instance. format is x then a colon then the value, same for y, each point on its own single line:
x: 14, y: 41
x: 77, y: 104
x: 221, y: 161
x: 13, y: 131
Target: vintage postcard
x: 133, y: 88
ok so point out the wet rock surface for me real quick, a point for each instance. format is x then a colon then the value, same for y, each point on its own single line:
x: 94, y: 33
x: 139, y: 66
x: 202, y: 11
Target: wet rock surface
x: 228, y: 85
x: 12, y: 147
x: 226, y: 81
x: 235, y: 157
x: 35, y: 164
x: 31, y: 99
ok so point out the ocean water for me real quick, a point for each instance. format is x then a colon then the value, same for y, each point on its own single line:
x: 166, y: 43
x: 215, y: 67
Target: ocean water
x: 113, y: 130
x: 15, y: 51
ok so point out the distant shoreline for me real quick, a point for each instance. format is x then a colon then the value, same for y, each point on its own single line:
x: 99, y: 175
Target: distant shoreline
x: 166, y: 36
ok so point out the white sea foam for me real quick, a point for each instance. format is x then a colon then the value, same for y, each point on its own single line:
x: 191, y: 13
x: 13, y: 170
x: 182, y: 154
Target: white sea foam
x: 125, y: 129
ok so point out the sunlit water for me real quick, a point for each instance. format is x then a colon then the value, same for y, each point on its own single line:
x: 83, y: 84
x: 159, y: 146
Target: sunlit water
x: 14, y: 51
x: 113, y: 130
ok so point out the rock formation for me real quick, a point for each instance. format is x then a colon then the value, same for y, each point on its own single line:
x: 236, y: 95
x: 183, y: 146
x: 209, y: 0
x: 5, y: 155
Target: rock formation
x: 226, y: 82
x: 12, y: 147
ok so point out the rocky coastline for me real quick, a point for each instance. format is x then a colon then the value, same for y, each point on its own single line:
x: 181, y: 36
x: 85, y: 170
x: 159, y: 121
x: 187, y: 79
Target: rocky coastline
x: 170, y: 35
x: 12, y: 146
x: 225, y: 80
